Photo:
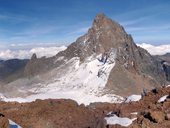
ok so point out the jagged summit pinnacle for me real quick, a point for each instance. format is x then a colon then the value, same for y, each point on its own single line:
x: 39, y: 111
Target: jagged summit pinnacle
x: 100, y: 16
x: 104, y: 35
x: 102, y: 21
x: 34, y: 56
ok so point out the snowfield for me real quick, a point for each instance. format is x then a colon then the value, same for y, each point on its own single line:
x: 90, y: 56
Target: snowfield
x: 82, y: 82
x: 162, y: 99
x: 133, y: 98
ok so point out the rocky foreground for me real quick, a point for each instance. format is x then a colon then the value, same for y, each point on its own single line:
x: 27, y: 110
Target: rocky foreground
x: 152, y: 111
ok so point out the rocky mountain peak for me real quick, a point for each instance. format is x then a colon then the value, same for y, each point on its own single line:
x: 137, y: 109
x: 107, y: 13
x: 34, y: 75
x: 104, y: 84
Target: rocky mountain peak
x: 34, y: 57
x: 104, y: 35
x: 99, y: 20
x: 100, y: 16
x: 107, y: 32
x: 104, y: 40
x: 103, y: 23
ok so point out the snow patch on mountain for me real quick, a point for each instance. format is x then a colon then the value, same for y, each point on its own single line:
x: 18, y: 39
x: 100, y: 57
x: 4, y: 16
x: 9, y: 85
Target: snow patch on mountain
x: 83, y: 82
x: 162, y: 99
x: 133, y: 98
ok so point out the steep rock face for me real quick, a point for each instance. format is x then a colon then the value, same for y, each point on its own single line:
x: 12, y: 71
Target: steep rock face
x: 37, y: 65
x: 166, y: 68
x: 164, y: 60
x: 165, y: 57
x: 135, y: 69
x: 101, y: 37
x: 41, y: 65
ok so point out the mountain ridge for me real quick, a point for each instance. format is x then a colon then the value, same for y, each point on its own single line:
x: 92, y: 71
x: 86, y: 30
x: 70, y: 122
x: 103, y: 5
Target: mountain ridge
x: 131, y: 60
x: 104, y: 61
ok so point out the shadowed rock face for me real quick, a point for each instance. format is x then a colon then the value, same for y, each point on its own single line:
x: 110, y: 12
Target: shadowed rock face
x: 165, y: 63
x: 11, y: 69
x: 135, y: 68
x: 165, y: 57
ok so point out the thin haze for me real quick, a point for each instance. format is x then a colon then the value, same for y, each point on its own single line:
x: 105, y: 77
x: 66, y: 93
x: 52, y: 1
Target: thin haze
x: 62, y: 21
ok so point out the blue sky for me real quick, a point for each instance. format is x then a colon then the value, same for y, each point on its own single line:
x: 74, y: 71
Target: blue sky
x: 62, y: 21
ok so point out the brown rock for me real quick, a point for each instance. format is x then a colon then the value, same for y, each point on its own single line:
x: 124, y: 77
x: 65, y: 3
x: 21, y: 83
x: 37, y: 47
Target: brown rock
x: 136, y: 126
x: 167, y: 116
x: 145, y: 124
x: 166, y: 104
x: 116, y: 126
x: 157, y: 116
x: 101, y: 123
x: 4, y: 122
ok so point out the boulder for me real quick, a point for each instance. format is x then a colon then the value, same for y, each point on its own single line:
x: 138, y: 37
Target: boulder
x: 158, y: 116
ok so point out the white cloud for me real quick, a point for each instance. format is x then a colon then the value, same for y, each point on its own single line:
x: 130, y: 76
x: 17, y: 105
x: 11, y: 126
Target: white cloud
x: 156, y: 50
x: 26, y: 54
x: 21, y: 52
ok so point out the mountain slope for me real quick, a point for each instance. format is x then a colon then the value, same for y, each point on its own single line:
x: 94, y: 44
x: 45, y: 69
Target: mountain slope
x: 103, y: 62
